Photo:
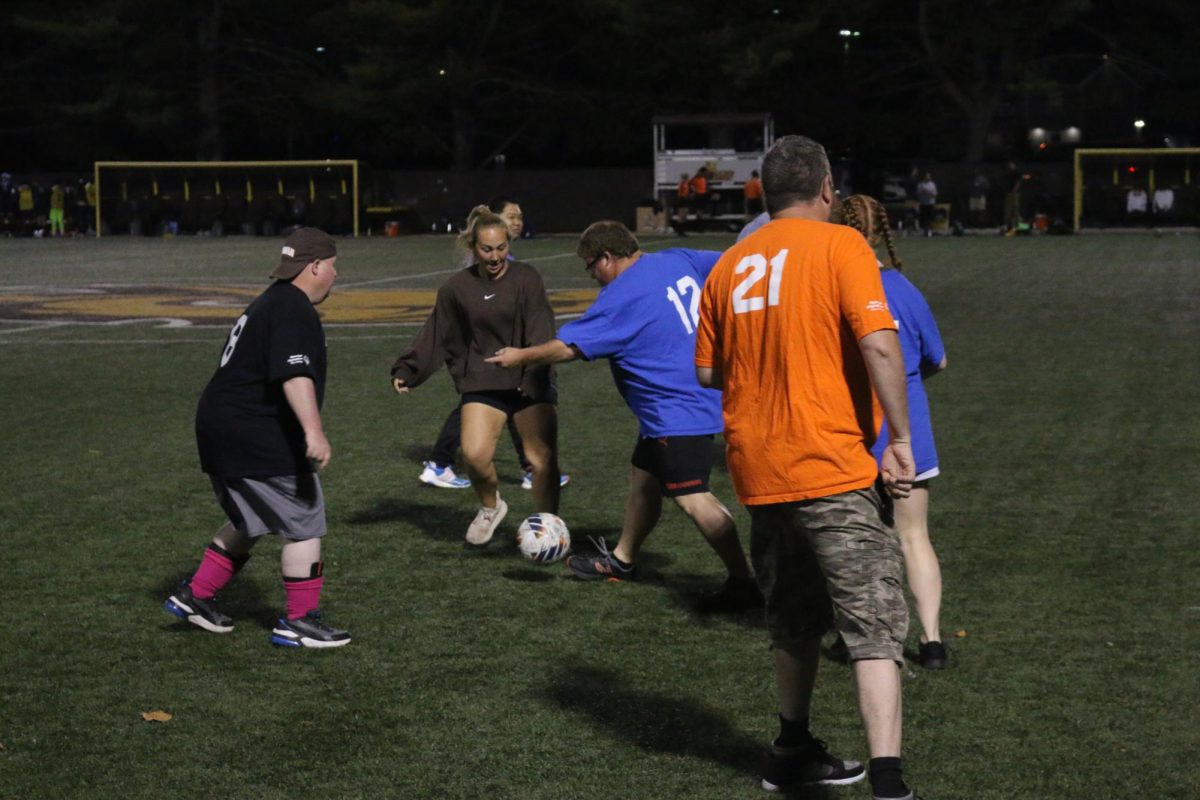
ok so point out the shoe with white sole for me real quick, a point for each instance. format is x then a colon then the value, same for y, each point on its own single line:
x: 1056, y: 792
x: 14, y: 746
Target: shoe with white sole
x: 527, y: 480
x: 201, y: 613
x: 483, y: 527
x: 308, y: 631
x: 442, y: 477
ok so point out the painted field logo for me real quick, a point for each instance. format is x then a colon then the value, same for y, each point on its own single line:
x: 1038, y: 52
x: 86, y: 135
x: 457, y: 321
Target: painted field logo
x: 220, y: 305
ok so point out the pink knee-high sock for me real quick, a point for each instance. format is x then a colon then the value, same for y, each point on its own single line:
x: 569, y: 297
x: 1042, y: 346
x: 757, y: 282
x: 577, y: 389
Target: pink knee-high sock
x: 303, y: 595
x: 215, y: 570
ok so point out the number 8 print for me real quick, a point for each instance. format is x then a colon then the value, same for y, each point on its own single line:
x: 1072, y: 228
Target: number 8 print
x: 238, y: 327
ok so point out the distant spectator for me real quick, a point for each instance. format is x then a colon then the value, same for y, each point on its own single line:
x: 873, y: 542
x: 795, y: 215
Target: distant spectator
x: 683, y: 196
x: 25, y: 206
x: 927, y: 194
x: 1013, y: 178
x: 977, y: 201
x: 8, y: 202
x: 58, y: 202
x: 753, y: 191
x: 1164, y: 202
x: 1137, y: 203
x: 698, y: 193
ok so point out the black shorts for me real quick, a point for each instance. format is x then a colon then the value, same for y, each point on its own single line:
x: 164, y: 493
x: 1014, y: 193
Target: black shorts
x: 682, y: 464
x: 510, y: 401
x: 754, y: 206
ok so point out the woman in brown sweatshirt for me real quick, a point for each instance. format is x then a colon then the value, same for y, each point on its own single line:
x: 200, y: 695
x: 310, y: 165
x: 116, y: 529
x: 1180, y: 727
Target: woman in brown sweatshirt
x: 491, y: 304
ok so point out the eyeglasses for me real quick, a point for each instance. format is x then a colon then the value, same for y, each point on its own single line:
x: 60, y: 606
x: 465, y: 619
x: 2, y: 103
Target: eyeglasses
x: 591, y: 265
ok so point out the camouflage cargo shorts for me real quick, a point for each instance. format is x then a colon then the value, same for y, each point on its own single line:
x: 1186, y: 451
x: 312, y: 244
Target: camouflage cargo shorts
x: 832, y: 562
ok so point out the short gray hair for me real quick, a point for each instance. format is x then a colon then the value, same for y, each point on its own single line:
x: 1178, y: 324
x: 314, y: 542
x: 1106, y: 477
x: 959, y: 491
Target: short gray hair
x: 793, y: 171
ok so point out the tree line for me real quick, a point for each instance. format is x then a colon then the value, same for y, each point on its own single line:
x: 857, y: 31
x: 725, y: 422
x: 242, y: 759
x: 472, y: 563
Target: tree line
x: 471, y: 85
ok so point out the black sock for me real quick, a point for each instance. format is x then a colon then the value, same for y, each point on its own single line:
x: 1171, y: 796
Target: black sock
x: 887, y: 778
x: 792, y: 733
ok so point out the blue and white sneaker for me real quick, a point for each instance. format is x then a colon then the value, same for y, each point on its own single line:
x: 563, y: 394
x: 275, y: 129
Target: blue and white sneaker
x: 201, y: 613
x: 527, y: 480
x: 308, y: 631
x: 442, y: 477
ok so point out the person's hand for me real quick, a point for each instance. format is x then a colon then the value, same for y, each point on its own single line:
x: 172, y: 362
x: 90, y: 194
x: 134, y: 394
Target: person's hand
x: 507, y: 357
x: 317, y: 448
x: 898, y: 468
x: 400, y: 386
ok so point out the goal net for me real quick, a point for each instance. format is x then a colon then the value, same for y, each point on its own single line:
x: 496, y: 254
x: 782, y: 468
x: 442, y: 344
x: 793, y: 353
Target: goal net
x: 218, y: 197
x: 1137, y: 187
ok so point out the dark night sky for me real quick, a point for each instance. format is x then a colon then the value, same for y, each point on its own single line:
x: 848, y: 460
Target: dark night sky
x: 450, y: 83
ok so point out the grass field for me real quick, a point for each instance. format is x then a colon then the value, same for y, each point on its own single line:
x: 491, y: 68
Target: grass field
x: 1065, y: 520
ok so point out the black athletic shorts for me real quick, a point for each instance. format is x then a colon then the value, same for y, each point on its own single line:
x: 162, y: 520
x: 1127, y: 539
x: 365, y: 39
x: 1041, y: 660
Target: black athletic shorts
x: 510, y: 401
x: 682, y: 464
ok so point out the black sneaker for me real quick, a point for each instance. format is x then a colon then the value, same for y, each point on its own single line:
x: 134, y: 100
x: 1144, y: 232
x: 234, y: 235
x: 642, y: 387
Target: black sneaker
x: 909, y: 796
x: 807, y: 765
x: 308, y: 631
x: 933, y: 655
x: 202, y: 613
x: 601, y: 566
x: 734, y: 596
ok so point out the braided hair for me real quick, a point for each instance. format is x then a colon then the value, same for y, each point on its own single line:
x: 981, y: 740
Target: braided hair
x: 868, y: 216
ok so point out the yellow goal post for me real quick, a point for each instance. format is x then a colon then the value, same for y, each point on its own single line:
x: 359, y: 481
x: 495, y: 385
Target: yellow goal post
x: 1104, y: 175
x: 305, y: 184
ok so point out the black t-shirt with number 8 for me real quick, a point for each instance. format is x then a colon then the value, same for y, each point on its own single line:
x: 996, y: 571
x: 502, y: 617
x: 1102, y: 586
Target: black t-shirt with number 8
x: 244, y: 425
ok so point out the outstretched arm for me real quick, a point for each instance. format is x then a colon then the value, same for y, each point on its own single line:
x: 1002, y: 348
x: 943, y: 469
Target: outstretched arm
x: 555, y: 351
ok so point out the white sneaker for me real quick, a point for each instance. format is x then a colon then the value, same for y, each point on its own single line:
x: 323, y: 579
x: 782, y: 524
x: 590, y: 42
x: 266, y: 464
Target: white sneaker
x: 442, y: 477
x: 527, y: 480
x: 486, y: 521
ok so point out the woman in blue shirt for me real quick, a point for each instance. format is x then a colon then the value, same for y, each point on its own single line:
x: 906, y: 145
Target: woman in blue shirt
x: 924, y: 356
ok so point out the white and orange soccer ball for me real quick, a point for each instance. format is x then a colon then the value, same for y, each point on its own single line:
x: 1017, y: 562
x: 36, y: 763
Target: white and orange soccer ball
x: 544, y: 538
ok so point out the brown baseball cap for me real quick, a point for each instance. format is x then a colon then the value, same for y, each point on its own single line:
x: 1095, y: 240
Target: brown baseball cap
x: 301, y: 248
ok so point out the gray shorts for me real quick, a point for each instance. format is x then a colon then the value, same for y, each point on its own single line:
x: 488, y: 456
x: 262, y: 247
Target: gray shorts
x: 292, y: 506
x: 832, y: 562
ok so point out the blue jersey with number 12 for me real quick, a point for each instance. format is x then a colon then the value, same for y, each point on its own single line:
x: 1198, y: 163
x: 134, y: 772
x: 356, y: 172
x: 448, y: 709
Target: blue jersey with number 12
x: 644, y: 323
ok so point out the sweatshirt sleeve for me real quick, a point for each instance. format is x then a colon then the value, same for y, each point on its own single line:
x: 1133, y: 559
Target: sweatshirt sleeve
x: 538, y: 329
x: 427, y: 351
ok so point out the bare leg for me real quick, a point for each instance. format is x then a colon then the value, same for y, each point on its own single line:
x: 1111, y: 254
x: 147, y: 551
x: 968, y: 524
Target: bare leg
x: 716, y: 524
x: 481, y: 426
x: 795, y: 675
x: 879, y: 703
x: 232, y: 542
x: 297, y: 557
x: 921, y: 562
x: 538, y: 426
x: 642, y: 510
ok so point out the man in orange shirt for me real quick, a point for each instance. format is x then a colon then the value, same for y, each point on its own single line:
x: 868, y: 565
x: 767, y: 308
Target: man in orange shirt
x: 795, y: 328
x: 753, y: 192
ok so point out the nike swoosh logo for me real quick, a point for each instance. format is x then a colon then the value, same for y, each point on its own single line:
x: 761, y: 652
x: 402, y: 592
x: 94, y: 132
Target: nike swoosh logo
x: 488, y: 296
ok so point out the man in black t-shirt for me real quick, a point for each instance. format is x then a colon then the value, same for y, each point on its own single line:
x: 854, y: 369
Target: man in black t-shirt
x: 259, y: 432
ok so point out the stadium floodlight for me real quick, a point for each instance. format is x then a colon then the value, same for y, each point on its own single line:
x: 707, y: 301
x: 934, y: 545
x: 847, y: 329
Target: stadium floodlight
x: 1139, y: 123
x: 1071, y: 135
x: 1037, y: 136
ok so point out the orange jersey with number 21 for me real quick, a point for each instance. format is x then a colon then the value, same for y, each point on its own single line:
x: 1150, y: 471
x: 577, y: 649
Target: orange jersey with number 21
x: 781, y: 317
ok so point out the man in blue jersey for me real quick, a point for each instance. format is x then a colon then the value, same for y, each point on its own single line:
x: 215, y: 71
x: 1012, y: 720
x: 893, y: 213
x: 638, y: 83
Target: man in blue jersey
x: 644, y: 323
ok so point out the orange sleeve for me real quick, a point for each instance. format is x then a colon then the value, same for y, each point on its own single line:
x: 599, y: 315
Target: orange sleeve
x: 706, y: 330
x: 860, y: 289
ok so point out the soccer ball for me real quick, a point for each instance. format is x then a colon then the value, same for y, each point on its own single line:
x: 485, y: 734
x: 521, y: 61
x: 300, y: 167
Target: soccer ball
x: 543, y: 538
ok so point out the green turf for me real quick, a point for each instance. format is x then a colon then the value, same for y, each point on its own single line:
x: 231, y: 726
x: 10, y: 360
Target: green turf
x: 1065, y: 522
